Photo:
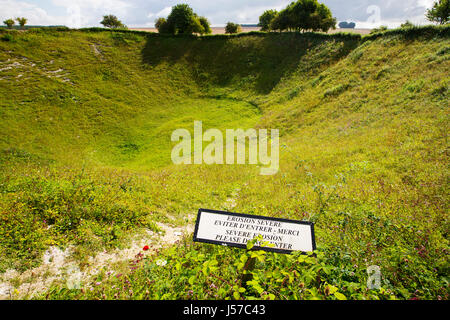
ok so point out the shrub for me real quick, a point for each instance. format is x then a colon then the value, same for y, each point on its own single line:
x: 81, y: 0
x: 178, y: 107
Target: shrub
x: 231, y: 28
x: 428, y: 31
x: 8, y: 37
x: 380, y: 29
x: 407, y: 24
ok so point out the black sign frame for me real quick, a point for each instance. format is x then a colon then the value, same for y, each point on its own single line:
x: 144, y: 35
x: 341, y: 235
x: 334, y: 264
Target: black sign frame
x: 243, y: 246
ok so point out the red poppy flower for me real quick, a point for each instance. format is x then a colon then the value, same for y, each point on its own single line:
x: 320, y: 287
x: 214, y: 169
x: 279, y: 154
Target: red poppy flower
x: 145, y: 248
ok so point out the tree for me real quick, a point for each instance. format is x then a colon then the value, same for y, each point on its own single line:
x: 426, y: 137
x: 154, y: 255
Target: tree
x: 183, y: 20
x: 9, y: 23
x: 206, y: 25
x: 281, y: 22
x: 159, y: 23
x: 440, y: 12
x: 22, y: 21
x: 304, y: 15
x: 308, y: 15
x: 162, y: 25
x: 195, y: 26
x: 111, y: 21
x: 321, y: 19
x: 266, y: 19
x: 232, y: 28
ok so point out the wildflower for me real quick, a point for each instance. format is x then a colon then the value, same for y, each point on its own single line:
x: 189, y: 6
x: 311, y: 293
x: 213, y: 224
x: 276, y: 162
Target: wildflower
x: 161, y: 262
x: 145, y: 248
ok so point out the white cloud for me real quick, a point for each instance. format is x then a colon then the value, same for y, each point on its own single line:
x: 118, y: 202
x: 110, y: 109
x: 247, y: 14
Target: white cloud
x: 85, y: 13
x: 110, y: 5
x: 161, y: 14
x: 34, y: 14
x: 426, y: 3
x: 77, y: 13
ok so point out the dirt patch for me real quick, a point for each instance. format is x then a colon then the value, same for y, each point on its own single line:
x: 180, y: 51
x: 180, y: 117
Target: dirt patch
x: 28, y: 68
x: 97, y: 51
x: 58, y: 265
x: 14, y: 284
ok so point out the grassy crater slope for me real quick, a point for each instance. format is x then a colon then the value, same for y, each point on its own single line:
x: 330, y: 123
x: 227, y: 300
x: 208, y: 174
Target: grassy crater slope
x: 86, y: 119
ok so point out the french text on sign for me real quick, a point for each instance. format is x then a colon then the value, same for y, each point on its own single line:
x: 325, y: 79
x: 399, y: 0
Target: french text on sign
x: 235, y: 229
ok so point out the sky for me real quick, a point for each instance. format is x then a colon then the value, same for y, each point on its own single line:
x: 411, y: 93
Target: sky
x: 143, y: 13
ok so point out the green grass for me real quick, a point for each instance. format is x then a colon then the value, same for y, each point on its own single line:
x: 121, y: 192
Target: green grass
x: 363, y: 123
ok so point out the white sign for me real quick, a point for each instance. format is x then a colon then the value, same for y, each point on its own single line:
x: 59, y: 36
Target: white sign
x: 235, y: 229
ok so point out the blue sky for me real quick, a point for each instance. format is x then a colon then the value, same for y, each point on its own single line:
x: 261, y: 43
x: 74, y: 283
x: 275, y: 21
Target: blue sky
x: 142, y: 13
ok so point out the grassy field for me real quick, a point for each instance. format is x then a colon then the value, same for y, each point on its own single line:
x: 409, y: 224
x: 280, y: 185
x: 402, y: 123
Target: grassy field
x: 86, y: 119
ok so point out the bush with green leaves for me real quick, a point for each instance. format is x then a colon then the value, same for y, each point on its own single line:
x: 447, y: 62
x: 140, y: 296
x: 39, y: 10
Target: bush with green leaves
x: 407, y: 24
x: 232, y: 27
x: 379, y: 29
x: 8, y: 37
x: 192, y: 271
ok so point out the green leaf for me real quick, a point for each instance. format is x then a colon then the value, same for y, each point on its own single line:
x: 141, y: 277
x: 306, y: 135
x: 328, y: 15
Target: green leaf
x: 339, y: 296
x: 332, y: 289
x: 236, y: 295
